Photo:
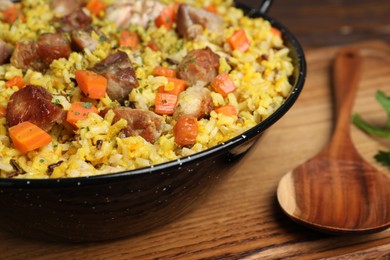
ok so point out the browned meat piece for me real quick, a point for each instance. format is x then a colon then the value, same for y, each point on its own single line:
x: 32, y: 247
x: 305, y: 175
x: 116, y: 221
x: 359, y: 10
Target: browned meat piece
x: 191, y: 21
x: 33, y: 103
x: 64, y: 7
x: 82, y: 2
x: 199, y: 67
x: 118, y: 70
x: 139, y: 122
x: 74, y: 21
x: 25, y: 56
x: 5, y: 52
x: 82, y: 39
x: 39, y: 55
x: 52, y: 46
x: 194, y: 101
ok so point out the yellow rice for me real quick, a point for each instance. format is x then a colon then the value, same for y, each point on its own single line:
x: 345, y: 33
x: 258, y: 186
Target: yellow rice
x: 262, y: 86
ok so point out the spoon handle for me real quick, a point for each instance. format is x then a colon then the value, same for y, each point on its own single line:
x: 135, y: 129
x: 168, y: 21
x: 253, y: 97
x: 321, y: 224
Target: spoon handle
x: 346, y: 71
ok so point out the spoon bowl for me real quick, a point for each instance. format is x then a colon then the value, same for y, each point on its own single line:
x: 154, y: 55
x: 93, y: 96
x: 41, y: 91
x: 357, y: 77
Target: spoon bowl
x: 337, y: 191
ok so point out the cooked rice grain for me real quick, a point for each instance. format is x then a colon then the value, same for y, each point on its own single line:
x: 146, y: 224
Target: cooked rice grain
x: 98, y: 146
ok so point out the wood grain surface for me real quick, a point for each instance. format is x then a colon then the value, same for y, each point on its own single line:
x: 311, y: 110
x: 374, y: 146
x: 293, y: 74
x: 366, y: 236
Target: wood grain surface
x: 318, y: 23
x: 241, y: 219
x: 337, y: 191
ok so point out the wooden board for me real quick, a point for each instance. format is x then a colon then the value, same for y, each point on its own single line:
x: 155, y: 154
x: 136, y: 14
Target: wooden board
x: 241, y: 219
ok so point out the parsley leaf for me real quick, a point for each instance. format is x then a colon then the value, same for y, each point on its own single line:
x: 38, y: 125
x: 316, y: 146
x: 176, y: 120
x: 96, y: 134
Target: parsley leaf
x: 102, y: 38
x: 87, y: 104
x: 385, y: 102
x: 382, y: 157
x: 358, y: 121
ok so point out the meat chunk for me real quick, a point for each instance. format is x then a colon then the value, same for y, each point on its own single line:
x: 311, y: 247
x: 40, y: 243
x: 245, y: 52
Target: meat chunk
x: 64, y: 7
x: 118, y: 70
x: 33, y: 103
x: 126, y: 12
x: 39, y: 55
x: 191, y: 21
x: 82, y: 39
x: 194, y: 101
x: 199, y: 67
x: 25, y: 56
x: 5, y: 52
x: 52, y: 46
x: 74, y: 21
x: 142, y: 123
x: 6, y: 4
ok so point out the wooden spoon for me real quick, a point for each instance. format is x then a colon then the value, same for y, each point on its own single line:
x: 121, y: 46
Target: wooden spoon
x: 337, y: 191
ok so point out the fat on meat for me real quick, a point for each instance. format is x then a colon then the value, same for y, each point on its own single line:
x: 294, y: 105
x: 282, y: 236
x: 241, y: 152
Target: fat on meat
x: 126, y: 12
x: 121, y: 78
x: 64, y: 7
x: 199, y: 67
x: 33, y: 103
x: 6, y: 4
x: 191, y: 21
x: 194, y: 101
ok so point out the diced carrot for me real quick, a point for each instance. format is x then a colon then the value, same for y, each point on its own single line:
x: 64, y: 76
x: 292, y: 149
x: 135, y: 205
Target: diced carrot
x: 15, y: 81
x: 152, y: 45
x: 276, y: 32
x: 186, y: 130
x: 211, y: 8
x: 166, y: 72
x: 167, y: 17
x: 79, y: 111
x: 175, y: 86
x: 227, y: 110
x: 239, y: 41
x: 92, y: 84
x: 11, y: 14
x: 26, y: 137
x: 165, y: 103
x: 166, y: 98
x: 3, y: 112
x: 223, y: 84
x: 129, y: 39
x: 96, y: 6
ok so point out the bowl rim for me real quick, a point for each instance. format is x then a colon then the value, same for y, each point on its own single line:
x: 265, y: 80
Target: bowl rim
x: 165, y: 167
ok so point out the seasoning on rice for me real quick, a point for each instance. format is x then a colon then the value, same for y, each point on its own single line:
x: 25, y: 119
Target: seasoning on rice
x: 114, y: 85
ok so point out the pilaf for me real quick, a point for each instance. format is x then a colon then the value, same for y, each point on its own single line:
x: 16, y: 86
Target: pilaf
x: 113, y: 85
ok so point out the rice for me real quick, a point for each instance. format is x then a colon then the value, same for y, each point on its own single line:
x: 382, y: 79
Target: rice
x: 97, y: 145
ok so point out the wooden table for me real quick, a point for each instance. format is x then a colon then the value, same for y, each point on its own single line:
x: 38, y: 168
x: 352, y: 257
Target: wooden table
x: 319, y: 23
x: 241, y: 219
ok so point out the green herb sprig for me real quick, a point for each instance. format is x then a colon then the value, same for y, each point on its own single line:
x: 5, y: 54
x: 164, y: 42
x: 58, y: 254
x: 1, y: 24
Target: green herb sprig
x: 383, y: 157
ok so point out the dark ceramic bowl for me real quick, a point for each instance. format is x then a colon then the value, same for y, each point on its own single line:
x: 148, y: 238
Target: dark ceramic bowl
x: 127, y: 203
